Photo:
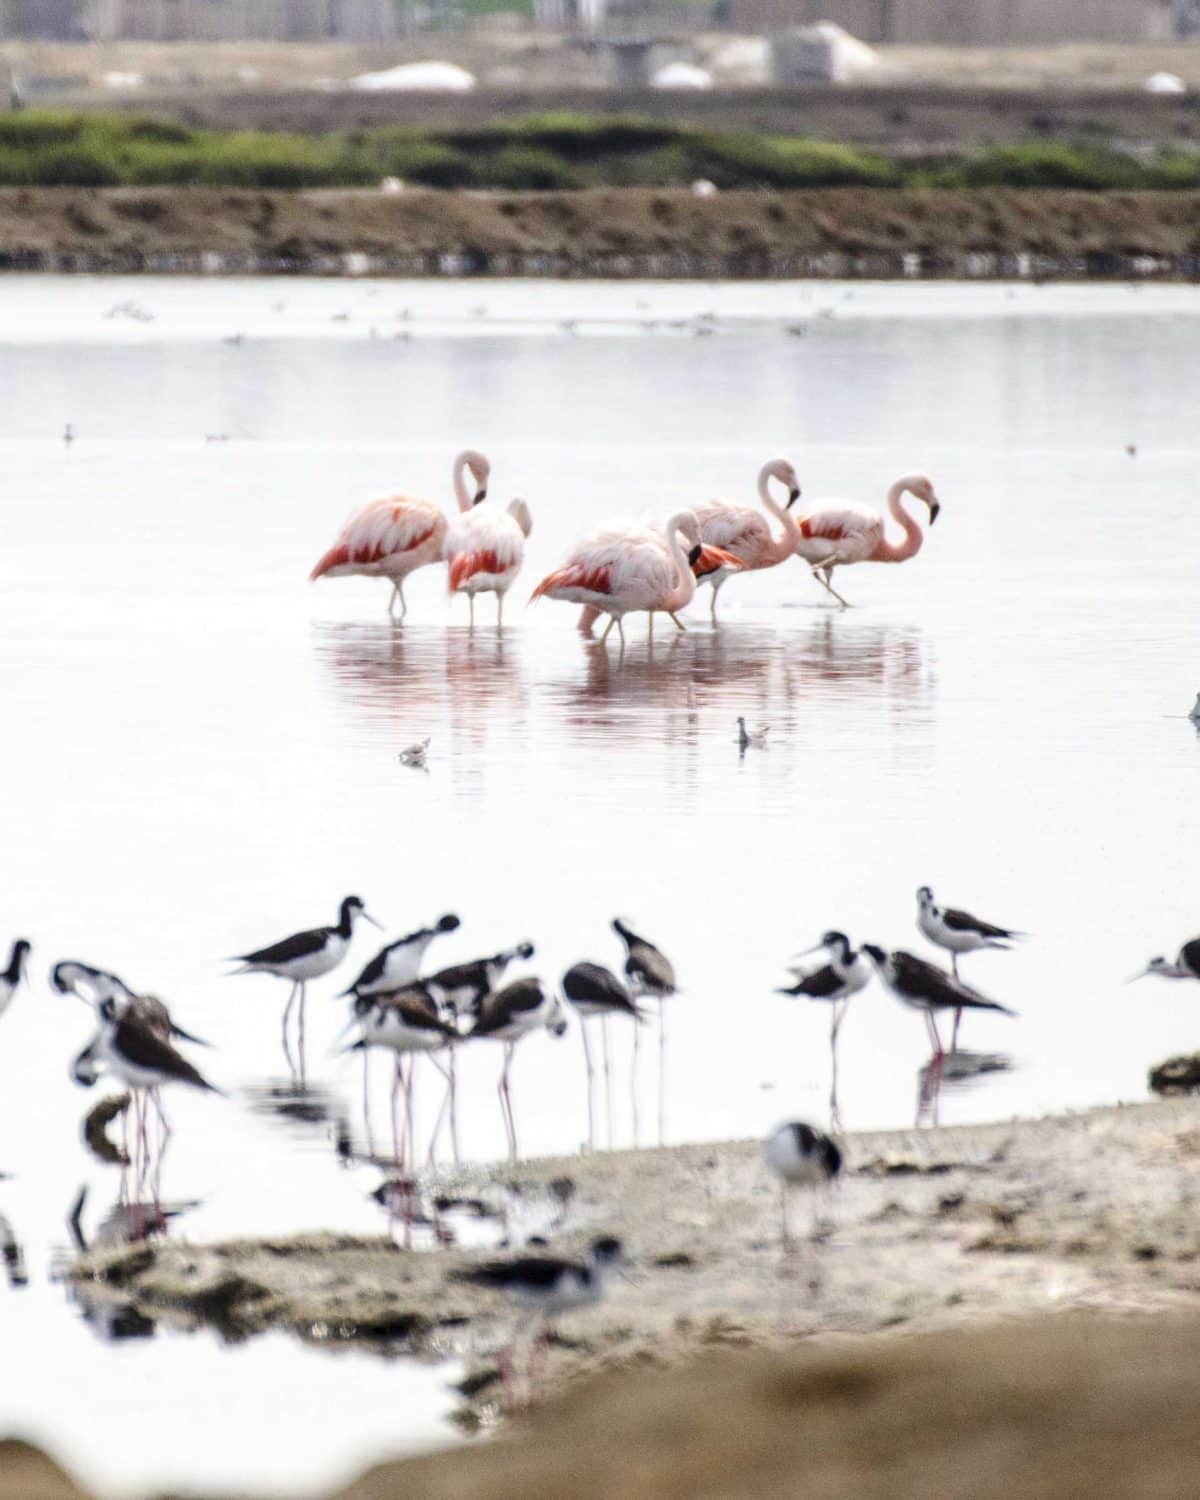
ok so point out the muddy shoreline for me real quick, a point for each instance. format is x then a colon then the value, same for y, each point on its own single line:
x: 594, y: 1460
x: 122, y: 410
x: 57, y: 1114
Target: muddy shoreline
x: 929, y: 1230
x: 608, y: 233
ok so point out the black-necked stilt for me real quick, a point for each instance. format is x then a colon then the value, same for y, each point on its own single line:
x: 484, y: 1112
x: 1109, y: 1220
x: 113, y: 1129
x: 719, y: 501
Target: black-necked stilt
x: 507, y: 1015
x: 1186, y: 964
x: 650, y: 973
x: 398, y: 964
x: 546, y: 1286
x: 958, y: 931
x: 800, y: 1156
x: 462, y: 988
x: 86, y: 982
x: 95, y: 986
x: 748, y: 737
x: 405, y: 1022
x: 925, y: 987
x: 304, y: 956
x: 12, y: 976
x: 834, y: 982
x: 594, y: 991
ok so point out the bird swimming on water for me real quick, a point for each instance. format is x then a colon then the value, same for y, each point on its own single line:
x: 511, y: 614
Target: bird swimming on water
x: 747, y: 737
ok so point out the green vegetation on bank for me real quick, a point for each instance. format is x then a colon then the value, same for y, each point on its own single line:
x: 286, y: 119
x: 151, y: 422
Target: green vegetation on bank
x: 540, y: 152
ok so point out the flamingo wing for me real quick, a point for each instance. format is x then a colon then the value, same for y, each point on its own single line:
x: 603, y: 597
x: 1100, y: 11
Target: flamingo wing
x: 382, y: 530
x: 736, y: 528
x: 840, y: 533
x: 485, y: 542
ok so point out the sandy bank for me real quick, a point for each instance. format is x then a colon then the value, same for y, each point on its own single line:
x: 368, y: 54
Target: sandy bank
x: 1059, y: 1409
x: 629, y: 232
x: 929, y: 1229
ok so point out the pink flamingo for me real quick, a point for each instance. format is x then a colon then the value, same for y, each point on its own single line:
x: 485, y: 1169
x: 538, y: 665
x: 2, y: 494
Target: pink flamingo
x: 620, y: 572
x: 836, y: 535
x: 741, y: 530
x: 485, y: 548
x: 394, y: 536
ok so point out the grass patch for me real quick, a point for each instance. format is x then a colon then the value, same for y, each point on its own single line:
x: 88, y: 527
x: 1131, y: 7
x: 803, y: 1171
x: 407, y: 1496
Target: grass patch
x: 537, y: 153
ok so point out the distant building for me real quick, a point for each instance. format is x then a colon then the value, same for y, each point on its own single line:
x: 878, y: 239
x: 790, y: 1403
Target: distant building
x: 970, y: 23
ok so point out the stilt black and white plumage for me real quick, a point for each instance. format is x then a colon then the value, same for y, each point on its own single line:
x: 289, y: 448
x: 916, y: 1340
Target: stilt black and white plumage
x: 462, y: 988
x: 97, y: 986
x: 406, y: 1022
x: 136, y: 1055
x: 545, y: 1283
x: 833, y: 976
x: 958, y: 931
x: 1186, y: 964
x: 595, y: 991
x: 545, y: 1286
x: 399, y: 964
x: 650, y: 973
x: 925, y: 987
x: 304, y: 956
x: 11, y: 977
x: 507, y: 1015
x: 800, y: 1156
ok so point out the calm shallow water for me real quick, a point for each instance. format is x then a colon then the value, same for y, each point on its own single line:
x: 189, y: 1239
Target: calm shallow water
x: 200, y: 746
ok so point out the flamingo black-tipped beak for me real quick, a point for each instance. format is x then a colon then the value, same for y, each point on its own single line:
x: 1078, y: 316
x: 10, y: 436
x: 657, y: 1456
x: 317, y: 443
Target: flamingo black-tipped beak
x: 935, y: 510
x: 793, y: 496
x: 480, y: 495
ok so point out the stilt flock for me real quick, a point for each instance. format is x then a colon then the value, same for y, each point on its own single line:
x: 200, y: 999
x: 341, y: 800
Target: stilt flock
x: 624, y: 568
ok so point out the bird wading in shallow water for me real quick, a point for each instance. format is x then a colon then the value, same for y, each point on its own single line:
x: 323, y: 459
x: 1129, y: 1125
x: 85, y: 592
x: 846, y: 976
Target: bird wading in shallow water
x: 595, y: 991
x: 395, y: 535
x: 923, y: 986
x: 836, y: 534
x: 630, y: 569
x: 835, y: 975
x: 484, y: 549
x: 958, y: 932
x: 743, y: 532
x: 651, y: 974
x: 507, y: 1015
x: 304, y: 956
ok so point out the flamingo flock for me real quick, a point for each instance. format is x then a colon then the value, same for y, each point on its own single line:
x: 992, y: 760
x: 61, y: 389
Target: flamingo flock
x: 624, y: 568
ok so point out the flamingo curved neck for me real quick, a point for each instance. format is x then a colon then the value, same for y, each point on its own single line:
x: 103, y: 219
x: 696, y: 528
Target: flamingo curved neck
x: 687, y: 583
x: 461, y: 493
x: 784, y: 544
x: 913, y: 535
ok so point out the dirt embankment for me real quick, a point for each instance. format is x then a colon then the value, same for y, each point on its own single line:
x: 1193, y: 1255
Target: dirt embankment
x: 605, y: 233
x: 1093, y: 1211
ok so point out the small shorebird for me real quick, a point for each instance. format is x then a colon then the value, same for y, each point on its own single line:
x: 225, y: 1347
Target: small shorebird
x: 841, y: 976
x: 462, y: 988
x: 11, y: 977
x: 1185, y: 966
x: 925, y: 987
x: 651, y: 973
x: 747, y: 737
x: 800, y: 1156
x: 414, y: 754
x: 406, y: 1022
x: 96, y: 986
x: 596, y: 991
x: 87, y: 983
x: 399, y: 963
x: 507, y: 1015
x: 304, y: 956
x: 545, y: 1286
x: 958, y: 931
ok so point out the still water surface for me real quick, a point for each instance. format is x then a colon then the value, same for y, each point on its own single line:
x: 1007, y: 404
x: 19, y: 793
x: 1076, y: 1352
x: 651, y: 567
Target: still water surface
x: 200, y: 747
